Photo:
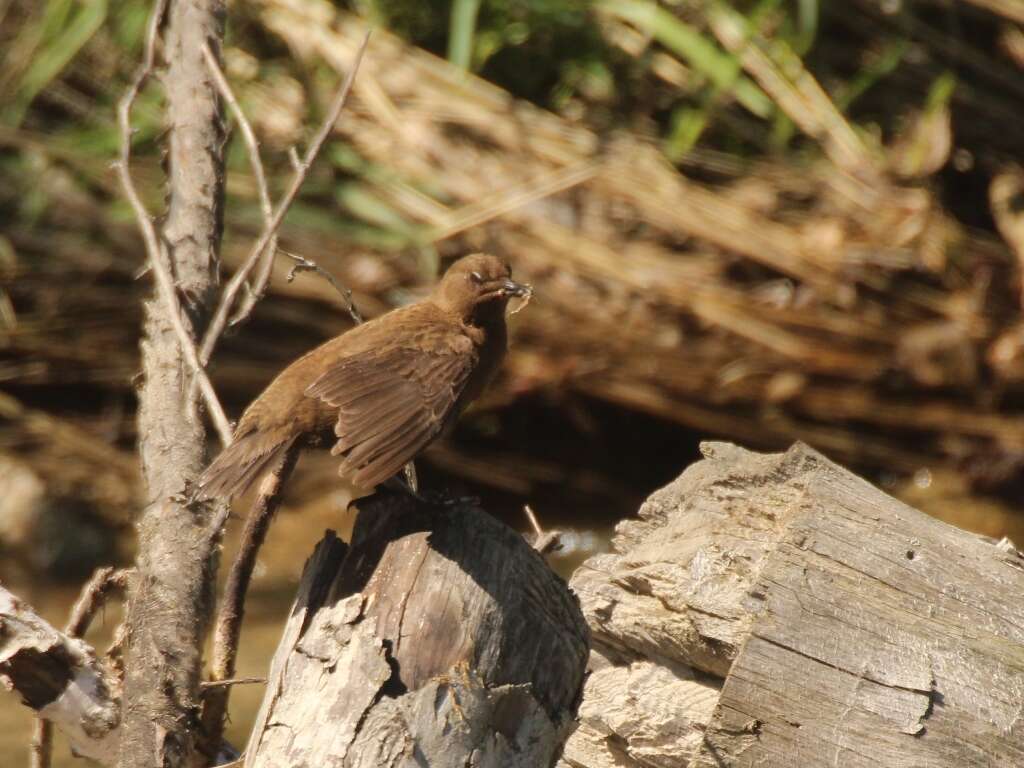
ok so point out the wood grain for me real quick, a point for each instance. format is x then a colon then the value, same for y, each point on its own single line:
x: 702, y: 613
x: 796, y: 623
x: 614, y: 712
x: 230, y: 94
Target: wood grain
x: 777, y: 610
x: 441, y: 638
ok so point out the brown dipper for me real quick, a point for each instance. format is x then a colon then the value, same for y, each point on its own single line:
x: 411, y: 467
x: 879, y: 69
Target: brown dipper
x: 388, y: 387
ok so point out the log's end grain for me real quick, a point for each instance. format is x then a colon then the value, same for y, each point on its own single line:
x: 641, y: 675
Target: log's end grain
x: 453, y: 586
x: 442, y: 635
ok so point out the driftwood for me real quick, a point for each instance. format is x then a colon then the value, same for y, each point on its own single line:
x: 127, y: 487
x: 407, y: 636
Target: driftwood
x: 59, y: 677
x: 776, y: 610
x: 439, y: 638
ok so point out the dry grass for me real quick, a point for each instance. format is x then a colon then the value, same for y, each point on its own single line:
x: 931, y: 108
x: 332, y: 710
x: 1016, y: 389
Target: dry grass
x: 827, y: 296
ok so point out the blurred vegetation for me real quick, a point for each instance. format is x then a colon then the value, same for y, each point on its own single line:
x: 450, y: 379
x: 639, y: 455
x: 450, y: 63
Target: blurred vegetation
x: 761, y: 220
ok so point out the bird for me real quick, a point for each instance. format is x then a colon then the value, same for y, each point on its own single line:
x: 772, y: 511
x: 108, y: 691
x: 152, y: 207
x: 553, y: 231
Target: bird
x: 386, y: 388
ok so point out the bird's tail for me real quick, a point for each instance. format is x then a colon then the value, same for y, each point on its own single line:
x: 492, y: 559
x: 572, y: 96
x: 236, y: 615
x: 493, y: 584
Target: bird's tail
x: 243, y: 462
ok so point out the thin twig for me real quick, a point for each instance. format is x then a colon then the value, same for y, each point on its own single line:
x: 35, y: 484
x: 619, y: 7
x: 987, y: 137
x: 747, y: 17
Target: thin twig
x: 266, y: 259
x: 251, y: 142
x: 40, y: 753
x: 207, y: 684
x: 154, y: 249
x: 94, y: 594
x: 543, y: 542
x: 302, y: 264
x: 104, y: 582
x: 228, y: 626
x: 220, y: 317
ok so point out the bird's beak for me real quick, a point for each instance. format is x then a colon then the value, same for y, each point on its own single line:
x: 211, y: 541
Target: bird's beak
x: 512, y: 288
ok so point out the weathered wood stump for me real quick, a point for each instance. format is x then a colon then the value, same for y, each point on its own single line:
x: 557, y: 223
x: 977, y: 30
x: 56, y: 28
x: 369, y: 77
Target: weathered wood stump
x: 777, y: 610
x: 438, y: 638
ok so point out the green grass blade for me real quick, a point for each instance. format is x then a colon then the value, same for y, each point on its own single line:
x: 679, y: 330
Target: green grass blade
x: 686, y: 42
x: 461, y: 31
x: 60, y: 47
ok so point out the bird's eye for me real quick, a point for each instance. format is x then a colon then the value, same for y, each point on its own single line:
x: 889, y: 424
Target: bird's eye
x: 476, y: 277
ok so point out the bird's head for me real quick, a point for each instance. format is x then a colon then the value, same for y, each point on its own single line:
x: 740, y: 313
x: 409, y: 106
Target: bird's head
x: 479, y: 286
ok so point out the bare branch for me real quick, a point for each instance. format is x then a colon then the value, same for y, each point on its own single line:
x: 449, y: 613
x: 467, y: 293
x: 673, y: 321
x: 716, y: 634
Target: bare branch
x: 228, y: 626
x: 104, y: 582
x: 94, y: 594
x: 41, y: 749
x: 206, y: 684
x: 155, y: 251
x: 302, y: 264
x: 172, y: 601
x: 220, y: 317
x: 543, y: 541
x: 266, y: 260
x: 251, y: 142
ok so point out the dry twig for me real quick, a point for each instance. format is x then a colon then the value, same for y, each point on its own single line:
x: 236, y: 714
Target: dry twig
x: 220, y: 317
x: 302, y: 264
x: 94, y: 594
x: 266, y: 260
x: 544, y: 542
x: 228, y: 626
x: 252, y: 145
x: 207, y: 684
x: 154, y: 248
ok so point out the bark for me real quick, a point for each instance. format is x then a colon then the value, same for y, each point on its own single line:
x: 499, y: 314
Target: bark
x: 776, y: 610
x: 440, y: 638
x: 60, y: 678
x: 170, y: 607
x: 228, y: 626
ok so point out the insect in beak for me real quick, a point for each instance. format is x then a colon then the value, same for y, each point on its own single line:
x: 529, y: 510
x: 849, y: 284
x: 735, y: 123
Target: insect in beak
x: 512, y: 288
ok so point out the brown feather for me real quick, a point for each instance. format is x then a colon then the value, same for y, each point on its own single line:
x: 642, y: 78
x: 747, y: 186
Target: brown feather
x: 387, y: 387
x: 392, y: 403
x: 240, y: 464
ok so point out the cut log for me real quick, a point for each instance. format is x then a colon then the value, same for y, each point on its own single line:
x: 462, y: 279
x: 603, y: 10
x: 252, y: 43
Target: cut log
x: 777, y: 610
x: 439, y: 638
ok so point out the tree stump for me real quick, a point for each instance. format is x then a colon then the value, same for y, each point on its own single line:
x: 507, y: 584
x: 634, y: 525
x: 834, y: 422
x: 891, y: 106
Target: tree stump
x: 777, y: 610
x: 438, y: 638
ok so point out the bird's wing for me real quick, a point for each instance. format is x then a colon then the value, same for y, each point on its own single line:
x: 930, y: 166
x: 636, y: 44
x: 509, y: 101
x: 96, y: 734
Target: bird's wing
x: 391, y: 403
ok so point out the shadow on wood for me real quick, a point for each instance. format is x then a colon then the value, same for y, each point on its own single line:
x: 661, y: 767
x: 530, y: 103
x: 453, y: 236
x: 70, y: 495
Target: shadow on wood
x: 439, y: 638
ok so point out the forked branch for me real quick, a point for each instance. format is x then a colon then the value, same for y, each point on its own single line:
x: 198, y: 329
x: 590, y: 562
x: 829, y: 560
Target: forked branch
x: 155, y: 251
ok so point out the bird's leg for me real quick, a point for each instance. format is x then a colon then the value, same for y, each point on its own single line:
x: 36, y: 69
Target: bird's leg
x: 409, y: 472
